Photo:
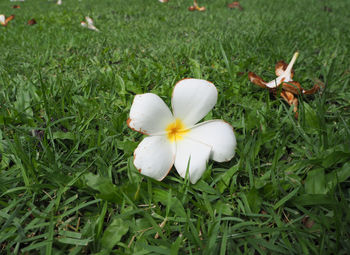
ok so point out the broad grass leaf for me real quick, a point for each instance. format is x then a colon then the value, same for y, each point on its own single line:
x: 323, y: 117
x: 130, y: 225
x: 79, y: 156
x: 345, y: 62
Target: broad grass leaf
x: 313, y: 199
x: 63, y: 135
x: 114, y: 232
x: 127, y: 146
x: 335, y: 157
x: 109, y: 191
x: 204, y: 187
x: 224, y: 208
x: 196, y: 68
x: 226, y: 178
x: 263, y: 180
x: 286, y: 198
x: 338, y: 176
x: 311, y: 119
x: 254, y: 200
x: 176, y: 205
x: 315, y: 182
x: 175, y: 246
x: 23, y: 102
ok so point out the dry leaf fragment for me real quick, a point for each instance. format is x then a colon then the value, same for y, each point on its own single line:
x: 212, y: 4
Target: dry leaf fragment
x: 308, y: 223
x: 292, y: 86
x: 9, y: 18
x: 327, y: 9
x: 256, y: 80
x: 291, y: 100
x: 235, y: 5
x: 16, y: 7
x: 4, y: 21
x: 31, y: 22
x: 163, y: 1
x: 195, y: 7
x: 161, y: 225
x: 191, y: 8
x: 314, y: 89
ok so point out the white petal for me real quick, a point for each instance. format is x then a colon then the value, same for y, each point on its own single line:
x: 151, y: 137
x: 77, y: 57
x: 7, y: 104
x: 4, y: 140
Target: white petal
x: 2, y: 19
x: 291, y: 63
x: 276, y: 82
x: 194, y: 154
x: 149, y: 114
x: 217, y: 134
x: 192, y: 99
x: 286, y: 76
x: 154, y: 157
x: 92, y: 27
x: 89, y: 20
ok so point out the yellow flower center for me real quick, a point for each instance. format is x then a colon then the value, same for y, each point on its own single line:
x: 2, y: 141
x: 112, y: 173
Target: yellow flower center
x: 176, y: 130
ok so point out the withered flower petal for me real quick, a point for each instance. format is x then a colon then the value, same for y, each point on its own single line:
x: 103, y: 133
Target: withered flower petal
x: 291, y: 100
x: 292, y: 86
x: 280, y: 67
x: 235, y: 5
x: 31, y: 22
x: 314, y: 89
x: 256, y: 80
x: 9, y: 18
x: 195, y: 7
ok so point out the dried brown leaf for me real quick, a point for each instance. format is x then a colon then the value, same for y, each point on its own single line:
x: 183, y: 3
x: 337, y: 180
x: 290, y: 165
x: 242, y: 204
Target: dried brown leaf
x: 293, y: 87
x: 235, y: 5
x: 31, y: 22
x: 256, y: 80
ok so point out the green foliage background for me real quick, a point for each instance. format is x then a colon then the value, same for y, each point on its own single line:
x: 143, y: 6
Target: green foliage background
x: 67, y: 182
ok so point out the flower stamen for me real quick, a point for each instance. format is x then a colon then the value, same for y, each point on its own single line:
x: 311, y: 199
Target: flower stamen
x: 176, y: 130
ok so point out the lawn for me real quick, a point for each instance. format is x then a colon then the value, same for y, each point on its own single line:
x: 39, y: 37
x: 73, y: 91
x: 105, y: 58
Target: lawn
x: 67, y: 180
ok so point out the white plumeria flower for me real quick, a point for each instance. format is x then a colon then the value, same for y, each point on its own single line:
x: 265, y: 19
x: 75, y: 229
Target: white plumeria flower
x: 89, y: 24
x: 175, y: 138
x: 283, y: 75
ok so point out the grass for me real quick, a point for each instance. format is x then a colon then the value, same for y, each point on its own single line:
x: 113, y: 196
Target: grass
x: 67, y: 182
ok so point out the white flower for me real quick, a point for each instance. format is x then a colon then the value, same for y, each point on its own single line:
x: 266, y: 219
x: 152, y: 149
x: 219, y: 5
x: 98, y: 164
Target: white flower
x: 89, y: 24
x: 59, y: 2
x: 176, y: 139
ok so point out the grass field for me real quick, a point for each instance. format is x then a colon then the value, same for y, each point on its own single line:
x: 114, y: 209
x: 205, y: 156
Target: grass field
x: 67, y: 180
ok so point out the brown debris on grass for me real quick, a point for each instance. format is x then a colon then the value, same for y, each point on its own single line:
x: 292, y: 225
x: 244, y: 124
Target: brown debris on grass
x: 195, y: 7
x: 4, y: 21
x: 235, y: 5
x: 290, y: 89
x: 31, y: 22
